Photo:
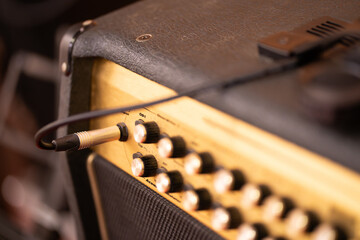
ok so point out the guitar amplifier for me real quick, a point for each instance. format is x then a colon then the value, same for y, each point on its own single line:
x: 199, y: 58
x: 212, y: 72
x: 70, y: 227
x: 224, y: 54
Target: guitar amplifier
x: 272, y: 158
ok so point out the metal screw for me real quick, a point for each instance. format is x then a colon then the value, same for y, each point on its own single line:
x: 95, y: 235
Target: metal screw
x: 144, y: 37
x: 86, y: 24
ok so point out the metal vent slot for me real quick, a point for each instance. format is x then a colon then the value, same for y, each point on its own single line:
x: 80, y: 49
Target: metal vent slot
x: 314, y: 33
x: 329, y: 28
x: 318, y: 32
x: 324, y: 27
x: 335, y: 24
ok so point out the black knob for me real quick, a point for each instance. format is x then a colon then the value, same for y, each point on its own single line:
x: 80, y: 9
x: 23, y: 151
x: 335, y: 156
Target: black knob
x: 196, y: 163
x: 300, y: 221
x: 255, y: 231
x: 144, y: 166
x: 254, y: 195
x: 331, y: 232
x: 276, y: 207
x: 146, y: 132
x: 225, y: 218
x: 169, y: 182
x: 172, y: 147
x: 198, y: 199
x: 274, y: 238
x: 228, y: 180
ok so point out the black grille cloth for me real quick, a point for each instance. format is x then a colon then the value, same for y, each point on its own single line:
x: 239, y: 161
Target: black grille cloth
x: 133, y: 211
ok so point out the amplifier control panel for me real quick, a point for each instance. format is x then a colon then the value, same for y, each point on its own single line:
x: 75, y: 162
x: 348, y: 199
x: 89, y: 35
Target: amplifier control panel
x: 238, y: 180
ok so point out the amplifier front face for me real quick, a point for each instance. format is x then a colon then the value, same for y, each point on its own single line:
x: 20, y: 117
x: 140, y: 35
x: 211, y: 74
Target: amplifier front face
x: 243, y: 181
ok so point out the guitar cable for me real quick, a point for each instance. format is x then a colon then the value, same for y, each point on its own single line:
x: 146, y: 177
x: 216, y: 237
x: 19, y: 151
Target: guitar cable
x: 299, y: 56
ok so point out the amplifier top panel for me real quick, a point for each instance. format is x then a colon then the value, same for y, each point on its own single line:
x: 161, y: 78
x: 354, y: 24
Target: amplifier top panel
x: 203, y: 42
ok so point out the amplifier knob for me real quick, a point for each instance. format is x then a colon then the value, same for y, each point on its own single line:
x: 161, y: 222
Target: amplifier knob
x: 225, y: 218
x: 248, y: 231
x: 276, y: 208
x: 299, y: 222
x: 146, y: 132
x: 198, y: 199
x: 144, y: 166
x: 172, y: 147
x: 253, y: 195
x: 169, y: 182
x: 196, y: 163
x: 227, y: 180
x: 327, y: 232
x: 273, y: 238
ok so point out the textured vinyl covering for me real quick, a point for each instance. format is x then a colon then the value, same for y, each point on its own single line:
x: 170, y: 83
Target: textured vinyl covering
x: 133, y: 211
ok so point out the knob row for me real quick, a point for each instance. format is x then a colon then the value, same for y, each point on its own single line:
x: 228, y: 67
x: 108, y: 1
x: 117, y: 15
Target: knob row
x: 257, y: 231
x: 173, y: 147
x: 229, y: 218
x: 168, y: 147
x: 274, y: 207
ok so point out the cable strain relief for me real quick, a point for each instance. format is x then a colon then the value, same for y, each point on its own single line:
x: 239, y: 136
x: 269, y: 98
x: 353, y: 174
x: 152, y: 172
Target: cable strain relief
x: 65, y: 143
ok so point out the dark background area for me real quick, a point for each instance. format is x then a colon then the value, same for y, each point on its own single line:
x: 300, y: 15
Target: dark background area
x: 32, y: 198
x: 36, y: 26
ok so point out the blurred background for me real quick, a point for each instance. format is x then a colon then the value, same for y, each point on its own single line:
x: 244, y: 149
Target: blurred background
x: 33, y: 202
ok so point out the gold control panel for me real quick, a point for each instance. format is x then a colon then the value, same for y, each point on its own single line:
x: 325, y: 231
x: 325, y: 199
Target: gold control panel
x: 240, y: 181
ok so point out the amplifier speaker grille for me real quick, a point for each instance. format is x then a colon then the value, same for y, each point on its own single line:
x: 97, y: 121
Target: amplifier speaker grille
x: 133, y: 211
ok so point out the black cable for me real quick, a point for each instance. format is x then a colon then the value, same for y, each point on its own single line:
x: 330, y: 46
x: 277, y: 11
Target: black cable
x: 274, y: 68
x: 300, y: 55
